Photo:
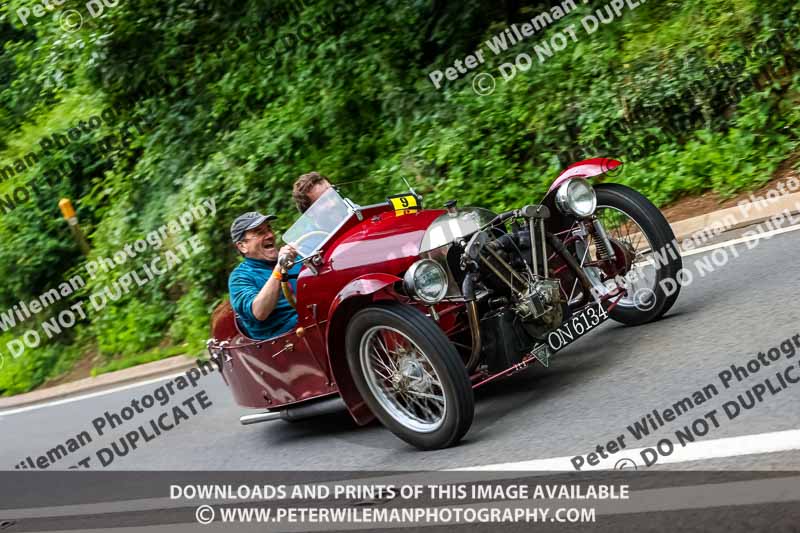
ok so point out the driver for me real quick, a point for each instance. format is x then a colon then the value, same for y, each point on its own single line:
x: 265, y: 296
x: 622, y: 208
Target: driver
x: 255, y: 284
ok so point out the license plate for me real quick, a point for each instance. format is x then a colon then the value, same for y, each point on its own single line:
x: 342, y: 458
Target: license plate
x: 577, y: 326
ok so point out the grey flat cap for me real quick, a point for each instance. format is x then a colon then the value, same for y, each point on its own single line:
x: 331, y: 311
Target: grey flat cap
x: 246, y: 222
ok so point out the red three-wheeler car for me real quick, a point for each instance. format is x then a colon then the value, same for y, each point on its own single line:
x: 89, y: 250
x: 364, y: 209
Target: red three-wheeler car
x: 403, y: 311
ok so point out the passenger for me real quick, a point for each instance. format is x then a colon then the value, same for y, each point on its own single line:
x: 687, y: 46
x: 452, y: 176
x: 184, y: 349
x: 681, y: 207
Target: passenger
x: 255, y: 285
x: 308, y: 188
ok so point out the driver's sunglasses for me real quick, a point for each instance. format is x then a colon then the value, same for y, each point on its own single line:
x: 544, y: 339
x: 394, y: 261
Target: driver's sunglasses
x: 258, y: 232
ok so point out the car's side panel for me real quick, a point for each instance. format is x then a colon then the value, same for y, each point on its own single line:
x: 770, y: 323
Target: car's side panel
x: 363, y: 286
x: 275, y: 372
x: 382, y: 244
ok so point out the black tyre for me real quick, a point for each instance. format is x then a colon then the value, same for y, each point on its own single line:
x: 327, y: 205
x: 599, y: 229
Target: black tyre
x: 410, y: 375
x: 633, y: 221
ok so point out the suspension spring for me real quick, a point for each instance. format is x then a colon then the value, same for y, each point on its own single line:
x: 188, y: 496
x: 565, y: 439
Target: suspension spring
x: 601, y: 241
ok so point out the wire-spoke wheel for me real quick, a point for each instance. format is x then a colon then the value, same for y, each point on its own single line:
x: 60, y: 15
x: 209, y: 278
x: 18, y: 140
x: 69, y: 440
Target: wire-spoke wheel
x: 639, y: 232
x: 402, y: 379
x: 410, y: 375
x: 641, y: 275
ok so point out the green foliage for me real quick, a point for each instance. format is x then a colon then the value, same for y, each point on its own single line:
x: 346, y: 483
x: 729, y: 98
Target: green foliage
x: 237, y: 99
x: 148, y: 357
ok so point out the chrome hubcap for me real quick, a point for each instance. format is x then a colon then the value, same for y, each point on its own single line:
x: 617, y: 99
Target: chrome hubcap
x: 402, y: 379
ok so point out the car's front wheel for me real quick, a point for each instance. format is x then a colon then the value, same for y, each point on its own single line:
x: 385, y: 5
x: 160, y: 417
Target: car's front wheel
x: 640, y: 230
x: 410, y: 375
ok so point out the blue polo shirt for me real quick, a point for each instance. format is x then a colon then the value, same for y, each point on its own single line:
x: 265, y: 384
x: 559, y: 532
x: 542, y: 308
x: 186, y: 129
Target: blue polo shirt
x: 244, y: 284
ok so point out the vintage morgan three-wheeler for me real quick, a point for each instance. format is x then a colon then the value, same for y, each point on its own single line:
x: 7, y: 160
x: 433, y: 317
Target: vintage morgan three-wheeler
x: 403, y: 311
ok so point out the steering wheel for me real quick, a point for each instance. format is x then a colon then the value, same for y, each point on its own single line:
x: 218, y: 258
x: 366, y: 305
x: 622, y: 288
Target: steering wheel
x: 285, y: 287
x: 309, y: 234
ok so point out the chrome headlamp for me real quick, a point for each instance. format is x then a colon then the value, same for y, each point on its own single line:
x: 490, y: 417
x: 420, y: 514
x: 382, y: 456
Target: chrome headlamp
x: 426, y: 281
x: 576, y: 197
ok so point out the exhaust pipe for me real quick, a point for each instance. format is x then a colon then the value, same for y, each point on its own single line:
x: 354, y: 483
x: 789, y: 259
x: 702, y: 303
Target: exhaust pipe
x: 246, y: 420
x: 293, y: 414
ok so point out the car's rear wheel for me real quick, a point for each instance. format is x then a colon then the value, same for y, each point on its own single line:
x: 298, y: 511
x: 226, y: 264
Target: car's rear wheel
x: 410, y: 375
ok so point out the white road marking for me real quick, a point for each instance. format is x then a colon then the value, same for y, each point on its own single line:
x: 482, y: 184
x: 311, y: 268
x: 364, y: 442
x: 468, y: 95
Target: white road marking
x: 779, y: 441
x: 740, y: 240
x: 89, y: 395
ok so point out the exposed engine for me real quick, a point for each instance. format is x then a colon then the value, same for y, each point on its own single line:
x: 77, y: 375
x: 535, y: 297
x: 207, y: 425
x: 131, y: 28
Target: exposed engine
x: 519, y: 303
x: 502, y: 265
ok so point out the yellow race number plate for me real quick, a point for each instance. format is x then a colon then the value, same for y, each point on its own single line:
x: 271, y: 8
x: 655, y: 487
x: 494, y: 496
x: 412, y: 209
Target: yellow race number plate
x: 404, y: 204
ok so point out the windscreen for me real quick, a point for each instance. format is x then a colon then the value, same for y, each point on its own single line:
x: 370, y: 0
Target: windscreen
x: 318, y: 224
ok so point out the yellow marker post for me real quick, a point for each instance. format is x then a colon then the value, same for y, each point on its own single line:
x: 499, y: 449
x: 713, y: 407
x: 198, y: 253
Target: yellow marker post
x: 68, y: 210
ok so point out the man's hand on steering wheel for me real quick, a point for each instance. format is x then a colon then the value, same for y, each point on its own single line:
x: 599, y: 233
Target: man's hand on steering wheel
x: 286, y: 256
